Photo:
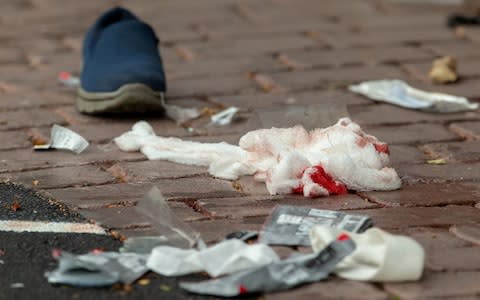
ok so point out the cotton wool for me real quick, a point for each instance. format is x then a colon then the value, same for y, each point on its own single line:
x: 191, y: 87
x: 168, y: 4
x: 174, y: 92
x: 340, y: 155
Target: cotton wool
x: 315, y: 163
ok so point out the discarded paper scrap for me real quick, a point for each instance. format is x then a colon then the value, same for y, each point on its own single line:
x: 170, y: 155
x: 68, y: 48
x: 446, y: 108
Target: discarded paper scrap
x: 291, y: 225
x: 225, y: 117
x: 399, y: 93
x: 63, y: 138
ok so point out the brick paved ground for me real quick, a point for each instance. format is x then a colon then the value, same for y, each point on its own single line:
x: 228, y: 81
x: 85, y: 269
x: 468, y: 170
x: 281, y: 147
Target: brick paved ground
x: 259, y: 55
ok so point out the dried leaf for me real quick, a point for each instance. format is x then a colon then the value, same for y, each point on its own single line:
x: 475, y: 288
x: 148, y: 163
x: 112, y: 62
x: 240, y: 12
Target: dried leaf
x: 237, y: 186
x: 7, y: 88
x: 15, y: 205
x: 209, y: 111
x: 127, y: 288
x: 165, y: 288
x: 35, y: 182
x: 144, y: 281
x: 118, y: 236
x: 440, y: 161
x: 124, y: 288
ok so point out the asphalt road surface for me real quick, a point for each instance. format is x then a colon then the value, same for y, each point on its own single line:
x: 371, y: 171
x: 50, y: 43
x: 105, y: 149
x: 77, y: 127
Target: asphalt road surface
x: 26, y: 256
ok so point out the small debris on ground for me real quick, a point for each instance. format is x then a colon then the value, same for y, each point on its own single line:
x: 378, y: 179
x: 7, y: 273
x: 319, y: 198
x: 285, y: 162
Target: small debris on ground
x: 455, y: 20
x: 439, y: 161
x: 225, y: 117
x: 444, y: 70
x: 15, y: 205
x: 64, y: 139
x: 165, y: 288
x: 144, y: 281
x: 400, y: 93
x: 68, y: 80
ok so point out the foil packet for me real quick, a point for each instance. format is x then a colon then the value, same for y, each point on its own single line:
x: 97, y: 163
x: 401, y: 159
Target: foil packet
x: 97, y: 269
x: 63, y: 138
x: 291, y: 225
x: 400, y: 93
x: 277, y: 276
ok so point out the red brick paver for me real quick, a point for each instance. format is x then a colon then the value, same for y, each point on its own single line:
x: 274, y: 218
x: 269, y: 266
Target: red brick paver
x: 283, y: 62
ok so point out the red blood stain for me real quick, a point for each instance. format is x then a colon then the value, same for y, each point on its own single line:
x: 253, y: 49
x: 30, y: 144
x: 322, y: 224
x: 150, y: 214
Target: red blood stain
x: 242, y: 289
x: 343, y: 237
x: 56, y: 253
x: 382, y: 148
x: 64, y: 75
x: 362, y: 142
x: 97, y: 251
x: 326, y: 181
x: 298, y: 189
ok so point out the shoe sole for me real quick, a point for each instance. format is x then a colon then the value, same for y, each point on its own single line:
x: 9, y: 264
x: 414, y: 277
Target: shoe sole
x: 135, y: 97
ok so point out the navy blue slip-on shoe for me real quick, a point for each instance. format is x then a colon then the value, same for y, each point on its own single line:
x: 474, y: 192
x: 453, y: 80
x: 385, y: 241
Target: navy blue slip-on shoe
x: 122, y: 68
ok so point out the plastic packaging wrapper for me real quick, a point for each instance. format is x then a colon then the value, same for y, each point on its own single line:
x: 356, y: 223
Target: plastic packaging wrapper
x: 170, y: 229
x: 399, y: 93
x: 97, y: 269
x: 225, y: 117
x: 226, y: 257
x: 145, y: 244
x: 64, y: 139
x: 67, y: 79
x: 277, y: 276
x: 321, y: 162
x: 291, y: 225
x: 379, y: 256
x: 244, y: 235
x: 179, y: 114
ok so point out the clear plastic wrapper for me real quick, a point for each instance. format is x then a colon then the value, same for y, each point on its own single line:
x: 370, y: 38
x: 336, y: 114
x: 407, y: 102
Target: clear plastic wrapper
x: 64, y: 139
x: 226, y: 257
x: 145, y: 244
x: 97, y: 269
x: 291, y: 225
x: 179, y: 114
x: 399, y: 93
x: 169, y: 229
x: 277, y: 276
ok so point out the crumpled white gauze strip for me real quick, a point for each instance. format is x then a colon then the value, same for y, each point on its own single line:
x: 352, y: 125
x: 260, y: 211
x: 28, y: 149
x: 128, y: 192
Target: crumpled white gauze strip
x: 378, y: 256
x: 225, y: 257
x: 289, y: 160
